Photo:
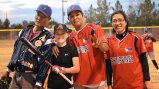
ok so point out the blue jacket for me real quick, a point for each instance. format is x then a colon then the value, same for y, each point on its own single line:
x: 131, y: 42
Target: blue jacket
x: 23, y: 59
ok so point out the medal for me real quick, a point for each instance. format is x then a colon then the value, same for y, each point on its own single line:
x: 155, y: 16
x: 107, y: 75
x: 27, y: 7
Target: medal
x: 38, y: 43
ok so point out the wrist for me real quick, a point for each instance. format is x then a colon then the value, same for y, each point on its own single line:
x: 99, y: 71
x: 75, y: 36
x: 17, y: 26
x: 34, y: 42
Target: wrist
x: 63, y: 69
x: 8, y: 70
x: 38, y: 84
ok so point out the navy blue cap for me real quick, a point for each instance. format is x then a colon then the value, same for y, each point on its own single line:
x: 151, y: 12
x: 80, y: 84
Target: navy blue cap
x: 45, y: 9
x: 98, y: 23
x: 73, y: 8
x: 146, y: 29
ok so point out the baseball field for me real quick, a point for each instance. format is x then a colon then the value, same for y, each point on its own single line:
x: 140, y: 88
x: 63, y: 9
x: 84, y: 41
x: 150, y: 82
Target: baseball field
x: 6, y: 48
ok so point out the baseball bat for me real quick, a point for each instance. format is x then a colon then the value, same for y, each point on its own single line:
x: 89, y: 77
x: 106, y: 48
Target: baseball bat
x: 37, y: 52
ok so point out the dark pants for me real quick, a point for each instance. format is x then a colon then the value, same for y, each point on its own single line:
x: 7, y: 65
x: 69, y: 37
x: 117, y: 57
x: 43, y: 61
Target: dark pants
x: 23, y: 80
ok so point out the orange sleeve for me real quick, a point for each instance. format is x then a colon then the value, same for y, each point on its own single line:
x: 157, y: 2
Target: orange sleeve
x: 140, y: 45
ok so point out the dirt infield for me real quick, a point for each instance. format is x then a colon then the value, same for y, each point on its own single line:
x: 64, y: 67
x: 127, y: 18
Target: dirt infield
x: 6, y: 48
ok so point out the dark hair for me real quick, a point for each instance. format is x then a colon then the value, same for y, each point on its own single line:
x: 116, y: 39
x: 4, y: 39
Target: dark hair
x: 77, y: 10
x: 125, y: 18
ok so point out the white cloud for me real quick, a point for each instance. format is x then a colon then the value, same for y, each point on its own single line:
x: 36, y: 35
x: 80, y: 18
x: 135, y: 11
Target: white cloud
x: 33, y: 4
x: 24, y: 7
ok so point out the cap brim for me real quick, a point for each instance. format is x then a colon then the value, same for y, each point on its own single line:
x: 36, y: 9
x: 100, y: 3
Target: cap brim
x: 42, y: 12
x: 74, y: 10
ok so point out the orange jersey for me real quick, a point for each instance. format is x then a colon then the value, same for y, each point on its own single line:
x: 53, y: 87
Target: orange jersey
x: 148, y: 43
x: 92, y: 63
x: 127, y: 70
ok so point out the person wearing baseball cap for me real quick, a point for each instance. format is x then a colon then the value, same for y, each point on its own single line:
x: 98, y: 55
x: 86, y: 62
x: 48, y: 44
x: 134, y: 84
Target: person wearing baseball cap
x: 91, y: 44
x: 66, y: 62
x: 98, y: 23
x: 43, y: 15
x: 30, y: 71
x: 74, y: 8
x: 45, y: 9
x: 146, y: 29
x: 149, y: 39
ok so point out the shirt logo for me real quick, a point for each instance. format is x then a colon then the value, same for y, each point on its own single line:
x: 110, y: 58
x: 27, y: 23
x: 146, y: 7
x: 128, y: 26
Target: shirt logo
x: 82, y: 49
x: 60, y: 26
x: 38, y: 43
x: 27, y: 64
x: 85, y: 40
x: 66, y: 54
x: 148, y: 41
x: 122, y: 59
x: 128, y: 50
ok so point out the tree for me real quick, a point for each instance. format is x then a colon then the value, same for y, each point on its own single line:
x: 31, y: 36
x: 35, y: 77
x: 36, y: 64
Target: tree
x: 132, y: 16
x: 145, y: 11
x: 90, y: 14
x: 1, y: 24
x: 6, y: 23
x: 24, y: 23
x: 117, y: 7
x: 16, y: 26
x: 102, y: 12
x: 53, y: 22
x: 31, y: 23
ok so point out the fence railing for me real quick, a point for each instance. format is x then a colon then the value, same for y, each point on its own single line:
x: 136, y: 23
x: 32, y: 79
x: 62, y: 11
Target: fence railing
x: 12, y: 34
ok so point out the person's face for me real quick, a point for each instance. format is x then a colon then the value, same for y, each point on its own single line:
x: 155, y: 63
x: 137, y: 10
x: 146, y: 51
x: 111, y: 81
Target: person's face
x: 119, y: 23
x: 41, y: 20
x: 61, y: 36
x: 76, y: 18
x: 146, y: 31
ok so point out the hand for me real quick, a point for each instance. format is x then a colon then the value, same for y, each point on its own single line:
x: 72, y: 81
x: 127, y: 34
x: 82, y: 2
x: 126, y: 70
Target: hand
x: 55, y: 51
x: 148, y: 85
x: 109, y: 86
x: 95, y: 40
x: 37, y: 87
x: 5, y: 76
x: 149, y: 35
x: 57, y: 69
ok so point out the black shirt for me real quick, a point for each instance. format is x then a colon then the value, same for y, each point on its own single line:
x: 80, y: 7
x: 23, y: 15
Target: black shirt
x: 64, y: 59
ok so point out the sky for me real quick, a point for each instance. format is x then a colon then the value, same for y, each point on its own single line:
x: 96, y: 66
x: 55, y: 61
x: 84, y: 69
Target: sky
x: 19, y: 10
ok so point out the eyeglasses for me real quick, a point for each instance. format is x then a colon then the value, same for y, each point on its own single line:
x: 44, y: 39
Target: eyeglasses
x: 117, y: 20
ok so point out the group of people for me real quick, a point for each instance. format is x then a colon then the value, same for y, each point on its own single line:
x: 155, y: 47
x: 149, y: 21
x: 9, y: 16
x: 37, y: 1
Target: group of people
x: 79, y: 55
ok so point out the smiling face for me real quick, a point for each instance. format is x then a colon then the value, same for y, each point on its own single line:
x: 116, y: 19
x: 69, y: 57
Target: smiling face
x: 61, y: 37
x: 41, y: 20
x: 77, y: 20
x: 119, y: 23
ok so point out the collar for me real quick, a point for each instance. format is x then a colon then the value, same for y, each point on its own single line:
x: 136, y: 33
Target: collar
x: 121, y: 36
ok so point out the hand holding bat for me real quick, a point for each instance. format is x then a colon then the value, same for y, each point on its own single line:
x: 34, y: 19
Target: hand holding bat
x: 37, y: 52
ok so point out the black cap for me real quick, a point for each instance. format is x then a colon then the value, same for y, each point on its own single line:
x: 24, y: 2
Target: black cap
x: 60, y: 27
